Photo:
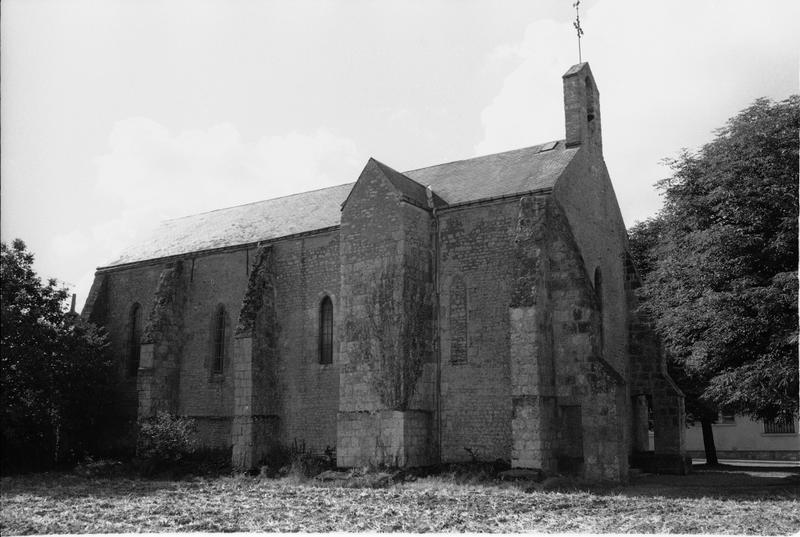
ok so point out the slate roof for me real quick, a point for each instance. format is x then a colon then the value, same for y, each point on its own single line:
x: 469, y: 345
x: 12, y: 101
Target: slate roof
x: 501, y: 174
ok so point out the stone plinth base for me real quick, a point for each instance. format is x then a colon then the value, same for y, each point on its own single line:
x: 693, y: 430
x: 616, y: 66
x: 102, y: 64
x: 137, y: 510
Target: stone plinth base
x: 386, y: 437
x: 252, y: 438
x: 533, y: 439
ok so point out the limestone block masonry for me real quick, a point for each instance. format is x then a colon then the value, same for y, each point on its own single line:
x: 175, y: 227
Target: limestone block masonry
x: 162, y: 343
x: 255, y: 418
x: 483, y: 308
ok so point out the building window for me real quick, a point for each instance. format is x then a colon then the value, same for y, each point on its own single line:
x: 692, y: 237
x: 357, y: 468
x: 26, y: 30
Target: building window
x: 219, y: 341
x: 598, y: 288
x: 326, y: 331
x: 779, y: 427
x: 598, y: 291
x: 134, y: 339
x: 727, y: 418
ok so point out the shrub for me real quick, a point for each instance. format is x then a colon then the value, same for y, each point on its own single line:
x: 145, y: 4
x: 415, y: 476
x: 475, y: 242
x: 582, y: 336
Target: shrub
x: 165, y: 440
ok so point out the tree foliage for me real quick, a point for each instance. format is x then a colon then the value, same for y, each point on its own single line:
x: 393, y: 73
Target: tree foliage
x: 55, y: 370
x: 720, y: 263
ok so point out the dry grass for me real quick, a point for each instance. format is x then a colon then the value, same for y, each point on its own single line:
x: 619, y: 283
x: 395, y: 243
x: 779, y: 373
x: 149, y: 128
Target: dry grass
x: 709, y: 502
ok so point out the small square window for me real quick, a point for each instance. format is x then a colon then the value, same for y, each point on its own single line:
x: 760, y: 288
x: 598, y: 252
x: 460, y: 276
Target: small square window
x: 727, y: 418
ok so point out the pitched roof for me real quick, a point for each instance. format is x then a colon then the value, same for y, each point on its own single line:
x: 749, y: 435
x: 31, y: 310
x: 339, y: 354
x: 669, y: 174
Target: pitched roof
x: 501, y: 174
x: 243, y: 224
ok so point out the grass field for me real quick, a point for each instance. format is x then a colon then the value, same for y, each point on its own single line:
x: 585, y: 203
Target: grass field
x: 731, y: 500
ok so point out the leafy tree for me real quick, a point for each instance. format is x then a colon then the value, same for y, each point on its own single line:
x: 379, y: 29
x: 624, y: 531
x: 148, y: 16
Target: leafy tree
x: 720, y: 264
x: 55, y: 370
x: 644, y: 240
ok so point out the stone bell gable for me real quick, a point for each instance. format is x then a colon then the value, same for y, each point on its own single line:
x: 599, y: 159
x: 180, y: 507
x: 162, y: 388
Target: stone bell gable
x: 482, y: 308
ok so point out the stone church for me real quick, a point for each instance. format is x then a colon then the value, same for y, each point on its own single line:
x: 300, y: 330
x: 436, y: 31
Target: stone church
x: 480, y: 308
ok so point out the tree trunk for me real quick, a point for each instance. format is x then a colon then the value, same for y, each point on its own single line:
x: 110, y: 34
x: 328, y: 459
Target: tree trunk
x: 708, y: 442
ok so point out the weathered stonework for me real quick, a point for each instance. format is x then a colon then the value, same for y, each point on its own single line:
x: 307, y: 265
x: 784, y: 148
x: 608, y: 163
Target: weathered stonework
x: 480, y: 309
x: 259, y: 284
x: 162, y: 344
x: 567, y: 397
x: 650, y: 380
x: 532, y: 367
x: 256, y: 416
x: 386, y: 338
x: 96, y: 308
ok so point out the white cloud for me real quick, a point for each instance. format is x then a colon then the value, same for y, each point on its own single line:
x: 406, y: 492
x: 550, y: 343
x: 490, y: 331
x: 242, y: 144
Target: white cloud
x: 198, y: 170
x: 72, y: 243
x: 527, y: 110
x: 149, y: 174
x: 660, y: 91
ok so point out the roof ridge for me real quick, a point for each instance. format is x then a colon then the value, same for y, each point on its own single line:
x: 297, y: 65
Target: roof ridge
x: 483, y: 156
x: 255, y: 202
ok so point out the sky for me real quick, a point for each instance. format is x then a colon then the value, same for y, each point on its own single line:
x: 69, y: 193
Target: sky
x: 117, y: 114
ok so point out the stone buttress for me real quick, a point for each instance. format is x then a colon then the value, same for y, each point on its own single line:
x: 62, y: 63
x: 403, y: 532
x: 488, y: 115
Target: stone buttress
x: 162, y: 344
x: 653, y: 393
x: 256, y: 398
x: 386, y: 370
x: 568, y: 401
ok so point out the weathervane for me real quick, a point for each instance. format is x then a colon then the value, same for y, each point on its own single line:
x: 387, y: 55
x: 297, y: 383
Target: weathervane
x: 578, y: 29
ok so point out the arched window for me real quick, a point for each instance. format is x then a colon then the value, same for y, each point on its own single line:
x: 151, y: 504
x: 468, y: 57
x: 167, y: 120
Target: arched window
x: 219, y: 341
x: 326, y: 331
x: 134, y: 339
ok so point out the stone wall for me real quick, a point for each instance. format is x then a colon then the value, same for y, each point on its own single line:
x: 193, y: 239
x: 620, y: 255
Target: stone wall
x: 475, y: 270
x: 124, y: 289
x: 215, y: 282
x: 532, y: 359
x: 306, y: 399
x: 395, y: 438
x: 586, y: 199
x: 96, y: 308
x: 651, y: 383
x: 306, y: 271
x: 584, y: 377
x: 286, y: 394
x: 569, y: 405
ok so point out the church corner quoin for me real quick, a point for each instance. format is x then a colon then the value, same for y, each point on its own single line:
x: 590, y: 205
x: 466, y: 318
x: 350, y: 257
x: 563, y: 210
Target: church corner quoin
x: 408, y: 318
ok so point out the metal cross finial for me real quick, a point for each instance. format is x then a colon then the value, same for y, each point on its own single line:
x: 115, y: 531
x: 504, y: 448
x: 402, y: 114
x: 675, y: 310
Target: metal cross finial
x: 577, y: 25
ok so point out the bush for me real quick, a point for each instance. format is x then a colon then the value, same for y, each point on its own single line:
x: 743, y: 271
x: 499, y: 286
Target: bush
x: 165, y: 440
